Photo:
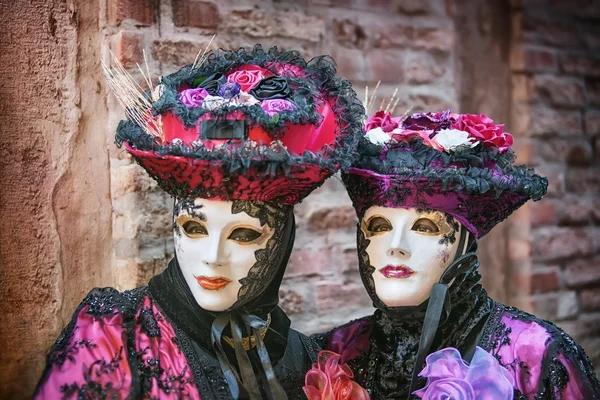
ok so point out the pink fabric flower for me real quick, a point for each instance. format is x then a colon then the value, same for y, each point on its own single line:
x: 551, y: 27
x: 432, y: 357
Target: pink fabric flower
x: 482, y: 128
x: 247, y: 76
x: 192, y: 97
x: 330, y: 380
x: 382, y: 120
x: 275, y: 106
x: 450, y: 377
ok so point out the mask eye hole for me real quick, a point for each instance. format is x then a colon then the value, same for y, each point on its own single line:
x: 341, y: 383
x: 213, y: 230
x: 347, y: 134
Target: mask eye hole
x: 426, y: 226
x: 377, y: 225
x: 244, y: 235
x: 194, y: 229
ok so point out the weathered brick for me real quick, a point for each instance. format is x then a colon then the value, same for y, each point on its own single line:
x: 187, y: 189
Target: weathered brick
x: 433, y: 38
x: 544, y: 279
x: 544, y: 31
x: 128, y: 48
x: 556, y: 174
x: 551, y: 121
x: 543, y: 212
x: 556, y: 306
x: 590, y: 299
x: 590, y: 35
x: 196, y: 14
x: 592, y: 122
x: 335, y: 295
x: 555, y: 243
x: 533, y: 59
x: 577, y: 151
x: 290, y: 301
x: 309, y: 262
x: 385, y: 66
x: 351, y: 64
x: 288, y: 24
x: 144, y: 12
x: 582, y: 272
x: 580, y: 64
x: 584, y: 180
x: 130, y: 178
x: 579, y: 8
x: 349, y: 33
x: 423, y: 67
x: 342, y: 217
x: 177, y: 53
x: 560, y: 91
x: 593, y: 91
x: 575, y: 210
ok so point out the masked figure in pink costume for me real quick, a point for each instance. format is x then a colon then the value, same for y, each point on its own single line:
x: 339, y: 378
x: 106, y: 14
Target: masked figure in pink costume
x: 425, y: 188
x: 238, y: 141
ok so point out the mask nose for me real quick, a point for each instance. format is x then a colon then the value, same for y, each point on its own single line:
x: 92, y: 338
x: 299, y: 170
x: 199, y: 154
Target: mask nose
x: 398, y: 246
x: 215, y: 257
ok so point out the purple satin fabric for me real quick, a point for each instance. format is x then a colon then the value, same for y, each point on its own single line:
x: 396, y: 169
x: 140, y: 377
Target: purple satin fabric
x: 108, y: 346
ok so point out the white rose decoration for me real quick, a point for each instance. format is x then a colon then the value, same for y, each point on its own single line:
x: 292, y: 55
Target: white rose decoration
x: 377, y: 136
x: 451, y: 139
x: 213, y: 102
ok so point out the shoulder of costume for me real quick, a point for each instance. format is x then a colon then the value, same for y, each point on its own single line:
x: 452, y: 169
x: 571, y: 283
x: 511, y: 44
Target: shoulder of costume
x: 108, y: 301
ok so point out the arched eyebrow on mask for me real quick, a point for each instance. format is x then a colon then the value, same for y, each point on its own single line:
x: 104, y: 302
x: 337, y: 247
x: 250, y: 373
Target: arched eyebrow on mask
x: 190, y: 208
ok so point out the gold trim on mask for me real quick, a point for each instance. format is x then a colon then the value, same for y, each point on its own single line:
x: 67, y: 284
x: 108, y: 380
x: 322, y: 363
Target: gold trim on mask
x: 265, y: 234
x: 182, y: 219
x: 439, y: 219
x: 249, y: 342
x: 365, y: 224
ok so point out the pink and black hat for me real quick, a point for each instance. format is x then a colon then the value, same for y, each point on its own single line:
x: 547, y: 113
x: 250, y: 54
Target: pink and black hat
x: 461, y: 164
x: 247, y: 125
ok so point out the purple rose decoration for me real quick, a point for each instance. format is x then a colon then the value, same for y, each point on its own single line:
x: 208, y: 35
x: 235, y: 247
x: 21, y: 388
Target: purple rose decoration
x: 275, y: 106
x: 450, y: 377
x: 193, y: 97
x: 428, y: 121
x: 229, y: 90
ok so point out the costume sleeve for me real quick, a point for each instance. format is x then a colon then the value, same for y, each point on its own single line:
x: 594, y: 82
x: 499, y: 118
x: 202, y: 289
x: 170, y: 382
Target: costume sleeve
x: 90, y: 356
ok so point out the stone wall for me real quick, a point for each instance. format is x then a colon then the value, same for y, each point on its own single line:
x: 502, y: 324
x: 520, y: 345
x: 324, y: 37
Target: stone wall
x: 555, y: 83
x: 55, y: 229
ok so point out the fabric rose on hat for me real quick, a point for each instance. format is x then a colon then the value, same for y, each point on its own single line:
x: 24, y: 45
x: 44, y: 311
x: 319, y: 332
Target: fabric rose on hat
x: 482, y: 128
x: 450, y: 377
x: 275, y: 106
x: 247, y: 76
x: 193, y: 97
x: 382, y: 120
x: 428, y: 121
x: 452, y: 139
x: 330, y: 380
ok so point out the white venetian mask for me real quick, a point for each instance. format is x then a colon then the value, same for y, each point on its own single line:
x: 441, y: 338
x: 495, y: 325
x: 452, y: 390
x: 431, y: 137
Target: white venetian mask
x: 409, y: 250
x: 216, y: 249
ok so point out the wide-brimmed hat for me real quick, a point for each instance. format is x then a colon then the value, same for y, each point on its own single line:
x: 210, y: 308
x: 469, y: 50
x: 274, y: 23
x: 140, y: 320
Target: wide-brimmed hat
x: 247, y: 125
x: 460, y: 164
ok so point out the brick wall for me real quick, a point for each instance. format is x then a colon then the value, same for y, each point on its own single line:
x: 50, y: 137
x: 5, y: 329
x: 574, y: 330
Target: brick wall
x: 405, y: 44
x: 555, y: 84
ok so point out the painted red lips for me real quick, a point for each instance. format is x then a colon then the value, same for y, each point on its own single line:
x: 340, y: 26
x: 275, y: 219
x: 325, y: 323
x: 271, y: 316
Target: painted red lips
x: 396, y: 271
x: 212, y: 282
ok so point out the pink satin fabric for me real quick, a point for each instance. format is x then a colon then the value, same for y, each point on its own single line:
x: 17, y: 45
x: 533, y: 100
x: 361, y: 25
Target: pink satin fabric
x: 97, y: 355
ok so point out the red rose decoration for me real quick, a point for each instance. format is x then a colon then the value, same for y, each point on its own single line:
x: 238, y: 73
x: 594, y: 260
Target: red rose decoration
x: 382, y: 120
x: 482, y: 128
x: 248, y: 76
x: 330, y: 380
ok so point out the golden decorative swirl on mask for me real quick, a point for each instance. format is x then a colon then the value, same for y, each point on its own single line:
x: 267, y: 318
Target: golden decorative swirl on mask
x: 249, y: 342
x: 431, y: 223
